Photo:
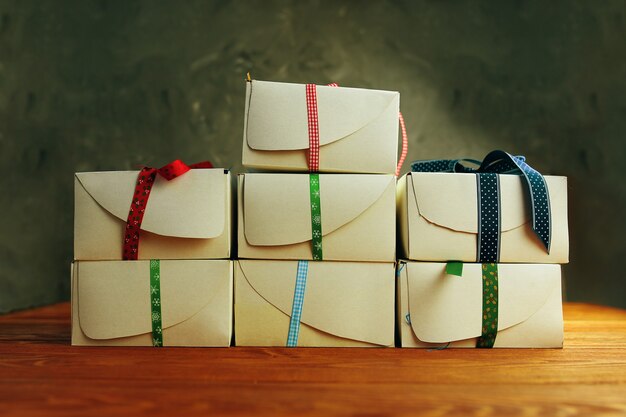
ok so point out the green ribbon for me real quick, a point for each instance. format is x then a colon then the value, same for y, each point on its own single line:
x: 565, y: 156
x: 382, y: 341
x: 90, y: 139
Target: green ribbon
x: 490, y: 306
x: 155, y: 302
x: 316, y: 217
x: 454, y: 268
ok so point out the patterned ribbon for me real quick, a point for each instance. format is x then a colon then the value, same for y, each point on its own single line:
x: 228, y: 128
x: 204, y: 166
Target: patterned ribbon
x: 488, y: 189
x: 314, y: 131
x: 143, y: 187
x: 298, y: 300
x: 489, y: 329
x: 314, y: 128
x: 500, y: 162
x: 490, y: 306
x: 155, y: 302
x: 314, y: 165
x: 316, y: 217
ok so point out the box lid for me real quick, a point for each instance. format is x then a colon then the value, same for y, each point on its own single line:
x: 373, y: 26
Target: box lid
x: 445, y: 308
x: 114, y: 296
x: 277, y: 206
x: 346, y: 299
x: 190, y: 206
x: 277, y: 116
x: 450, y: 200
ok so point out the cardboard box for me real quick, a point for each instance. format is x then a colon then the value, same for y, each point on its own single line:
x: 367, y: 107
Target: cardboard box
x: 358, y: 217
x: 438, y: 219
x: 358, y: 128
x: 111, y: 303
x: 435, y: 309
x: 345, y: 303
x: 188, y: 217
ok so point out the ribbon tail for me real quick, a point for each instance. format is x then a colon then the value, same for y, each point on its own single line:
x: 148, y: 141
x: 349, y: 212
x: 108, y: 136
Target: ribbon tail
x: 540, y: 200
x: 405, y: 144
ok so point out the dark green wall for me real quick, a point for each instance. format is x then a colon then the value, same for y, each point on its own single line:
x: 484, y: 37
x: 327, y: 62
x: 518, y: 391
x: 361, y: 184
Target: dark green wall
x: 99, y: 85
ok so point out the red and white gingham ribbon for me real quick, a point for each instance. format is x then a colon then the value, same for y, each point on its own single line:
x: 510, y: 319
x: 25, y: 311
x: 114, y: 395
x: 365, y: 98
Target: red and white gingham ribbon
x: 314, y: 128
x: 314, y: 131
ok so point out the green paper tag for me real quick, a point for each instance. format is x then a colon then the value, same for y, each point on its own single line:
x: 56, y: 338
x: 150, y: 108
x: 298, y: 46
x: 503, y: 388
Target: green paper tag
x: 454, y: 268
x: 490, y: 306
x: 316, y: 217
x: 155, y: 302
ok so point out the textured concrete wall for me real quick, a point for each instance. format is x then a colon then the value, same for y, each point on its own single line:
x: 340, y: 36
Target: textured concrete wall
x: 99, y: 85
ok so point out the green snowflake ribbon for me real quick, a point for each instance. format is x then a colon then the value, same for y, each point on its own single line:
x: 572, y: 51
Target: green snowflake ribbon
x: 490, y: 306
x: 155, y: 302
x: 316, y: 217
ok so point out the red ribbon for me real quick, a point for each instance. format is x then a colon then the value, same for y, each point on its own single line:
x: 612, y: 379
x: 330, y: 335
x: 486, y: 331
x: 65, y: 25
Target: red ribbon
x: 314, y: 131
x: 143, y: 187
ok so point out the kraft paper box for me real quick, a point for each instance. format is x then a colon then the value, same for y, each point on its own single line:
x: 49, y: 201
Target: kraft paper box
x: 357, y: 215
x: 111, y: 303
x: 435, y: 308
x: 345, y: 303
x: 438, y: 219
x: 188, y: 217
x: 358, y: 128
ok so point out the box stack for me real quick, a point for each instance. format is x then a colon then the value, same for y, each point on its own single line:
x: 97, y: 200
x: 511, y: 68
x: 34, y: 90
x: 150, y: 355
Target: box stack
x: 155, y: 274
x: 506, y: 218
x: 316, y: 237
x: 316, y: 246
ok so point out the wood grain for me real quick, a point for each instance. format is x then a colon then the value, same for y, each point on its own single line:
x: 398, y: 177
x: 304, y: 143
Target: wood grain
x: 40, y: 374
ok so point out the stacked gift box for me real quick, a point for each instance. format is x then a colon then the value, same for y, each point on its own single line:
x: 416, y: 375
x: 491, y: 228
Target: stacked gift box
x: 481, y: 242
x: 489, y: 238
x: 316, y: 245
x: 152, y: 257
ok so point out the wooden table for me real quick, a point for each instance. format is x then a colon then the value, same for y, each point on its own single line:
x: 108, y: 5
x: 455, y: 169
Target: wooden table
x: 40, y: 374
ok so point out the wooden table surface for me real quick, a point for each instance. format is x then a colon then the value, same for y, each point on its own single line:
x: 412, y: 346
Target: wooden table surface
x: 41, y: 374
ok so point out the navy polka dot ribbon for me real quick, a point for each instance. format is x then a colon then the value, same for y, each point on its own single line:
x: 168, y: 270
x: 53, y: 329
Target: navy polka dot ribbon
x: 488, y: 189
x: 498, y: 162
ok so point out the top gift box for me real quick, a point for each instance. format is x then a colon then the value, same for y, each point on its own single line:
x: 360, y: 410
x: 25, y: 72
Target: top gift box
x: 307, y: 127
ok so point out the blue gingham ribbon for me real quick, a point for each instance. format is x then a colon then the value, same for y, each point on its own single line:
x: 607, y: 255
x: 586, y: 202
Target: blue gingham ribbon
x: 499, y: 162
x: 298, y: 300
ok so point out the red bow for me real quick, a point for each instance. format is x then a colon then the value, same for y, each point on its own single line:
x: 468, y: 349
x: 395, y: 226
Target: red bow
x: 145, y: 180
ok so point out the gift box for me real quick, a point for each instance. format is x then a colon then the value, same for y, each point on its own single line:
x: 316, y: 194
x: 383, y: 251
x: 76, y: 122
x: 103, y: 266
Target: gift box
x: 517, y: 304
x: 152, y: 303
x: 355, y: 130
x: 347, y: 217
x: 188, y: 217
x: 438, y: 218
x: 302, y: 303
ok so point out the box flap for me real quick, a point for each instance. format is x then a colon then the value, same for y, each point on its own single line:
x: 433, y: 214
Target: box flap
x: 277, y: 113
x: 114, y: 296
x: 277, y: 206
x: 190, y: 206
x: 346, y: 299
x: 450, y: 200
x: 447, y: 308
